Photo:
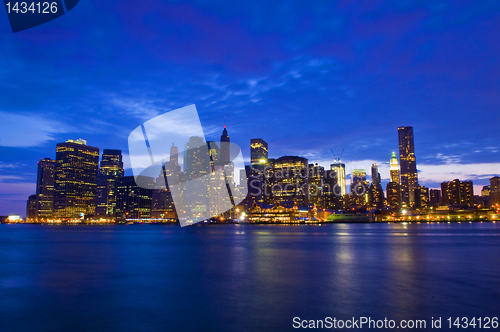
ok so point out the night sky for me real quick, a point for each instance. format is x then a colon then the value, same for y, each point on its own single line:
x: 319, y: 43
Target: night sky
x: 305, y: 76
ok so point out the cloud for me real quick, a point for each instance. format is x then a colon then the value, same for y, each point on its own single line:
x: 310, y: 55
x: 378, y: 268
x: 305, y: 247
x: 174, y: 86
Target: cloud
x: 17, y: 130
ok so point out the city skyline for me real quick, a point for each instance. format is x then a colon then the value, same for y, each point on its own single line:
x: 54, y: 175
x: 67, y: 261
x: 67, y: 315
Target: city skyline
x: 307, y: 78
x: 77, y: 191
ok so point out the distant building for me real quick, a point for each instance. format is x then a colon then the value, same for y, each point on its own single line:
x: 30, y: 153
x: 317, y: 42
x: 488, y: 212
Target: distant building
x: 408, y: 163
x: 31, y: 207
x: 332, y: 191
x: 394, y: 171
x: 45, y: 188
x: 393, y: 195
x: 316, y: 185
x: 422, y: 196
x: 435, y: 197
x: 133, y: 200
x: 76, y: 179
x: 290, y: 180
x: 376, y: 193
x: 495, y: 190
x: 457, y: 192
x: 339, y: 169
x: 258, y: 151
x: 110, y: 170
x: 359, y: 188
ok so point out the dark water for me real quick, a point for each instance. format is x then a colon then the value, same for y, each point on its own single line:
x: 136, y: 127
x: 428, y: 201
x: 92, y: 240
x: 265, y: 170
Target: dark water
x: 243, y: 277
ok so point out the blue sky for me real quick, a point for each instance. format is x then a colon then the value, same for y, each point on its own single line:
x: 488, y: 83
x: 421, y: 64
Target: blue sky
x: 306, y: 77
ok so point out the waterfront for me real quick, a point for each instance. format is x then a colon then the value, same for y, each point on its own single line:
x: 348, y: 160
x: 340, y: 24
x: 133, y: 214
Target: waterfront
x: 242, y: 277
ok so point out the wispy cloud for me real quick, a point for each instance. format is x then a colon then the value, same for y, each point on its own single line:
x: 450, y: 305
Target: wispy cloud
x: 18, y: 130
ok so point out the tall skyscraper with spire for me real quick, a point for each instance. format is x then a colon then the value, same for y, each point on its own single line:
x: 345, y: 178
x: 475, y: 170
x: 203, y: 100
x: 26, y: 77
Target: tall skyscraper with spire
x: 394, y: 168
x: 409, y: 177
x: 224, y: 147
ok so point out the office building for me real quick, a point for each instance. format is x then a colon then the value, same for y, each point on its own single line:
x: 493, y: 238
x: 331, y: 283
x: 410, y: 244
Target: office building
x: 408, y: 166
x: 339, y: 169
x: 359, y: 188
x: 394, y: 170
x: 75, y: 179
x: 316, y: 185
x: 110, y: 170
x: 393, y: 195
x: 290, y: 180
x: 133, y: 199
x: 495, y: 190
x: 31, y: 207
x: 435, y: 197
x: 45, y: 188
x: 457, y: 192
x: 258, y: 151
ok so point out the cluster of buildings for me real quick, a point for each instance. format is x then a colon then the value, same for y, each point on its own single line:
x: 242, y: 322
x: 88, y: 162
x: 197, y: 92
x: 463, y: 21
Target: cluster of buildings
x: 75, y: 185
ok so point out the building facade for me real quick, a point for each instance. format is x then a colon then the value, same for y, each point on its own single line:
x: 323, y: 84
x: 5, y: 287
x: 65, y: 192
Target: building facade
x: 45, y: 188
x: 408, y: 166
x: 75, y: 179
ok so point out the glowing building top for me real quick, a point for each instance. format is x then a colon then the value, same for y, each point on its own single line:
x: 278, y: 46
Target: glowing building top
x: 394, y: 168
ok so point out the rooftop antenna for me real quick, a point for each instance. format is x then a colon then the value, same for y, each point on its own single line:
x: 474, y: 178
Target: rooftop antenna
x: 224, y: 122
x: 337, y: 159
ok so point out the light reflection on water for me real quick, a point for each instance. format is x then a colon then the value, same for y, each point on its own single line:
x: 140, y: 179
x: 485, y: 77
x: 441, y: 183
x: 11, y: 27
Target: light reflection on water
x: 245, y: 277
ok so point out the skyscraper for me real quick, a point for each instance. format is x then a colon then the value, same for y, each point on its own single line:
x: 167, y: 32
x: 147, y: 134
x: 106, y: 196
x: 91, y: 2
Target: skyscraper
x: 339, y: 169
x: 76, y: 179
x: 495, y: 190
x: 409, y: 177
x: 457, y: 192
x: 375, y: 175
x: 394, y: 168
x: 45, y: 188
x: 376, y: 197
x: 134, y: 197
x: 290, y: 180
x: 111, y: 169
x: 174, y: 155
x: 224, y: 147
x: 258, y: 151
x: 316, y: 185
x: 359, y: 187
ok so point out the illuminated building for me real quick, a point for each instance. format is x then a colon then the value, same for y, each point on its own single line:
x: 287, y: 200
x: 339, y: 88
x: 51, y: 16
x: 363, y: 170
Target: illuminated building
x: 110, y: 170
x: 495, y: 190
x: 394, y: 169
x: 457, y: 192
x: 376, y: 192
x: 258, y: 151
x: 45, y: 188
x: 197, y: 167
x: 31, y: 207
x: 375, y: 175
x: 133, y: 197
x: 409, y: 176
x: 174, y: 155
x: 258, y: 184
x: 435, y: 197
x: 316, y: 185
x: 339, y: 169
x: 359, y: 187
x: 75, y: 179
x: 224, y: 148
x: 162, y: 203
x: 290, y: 180
x: 393, y: 195
x: 422, y: 197
x: 332, y: 191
